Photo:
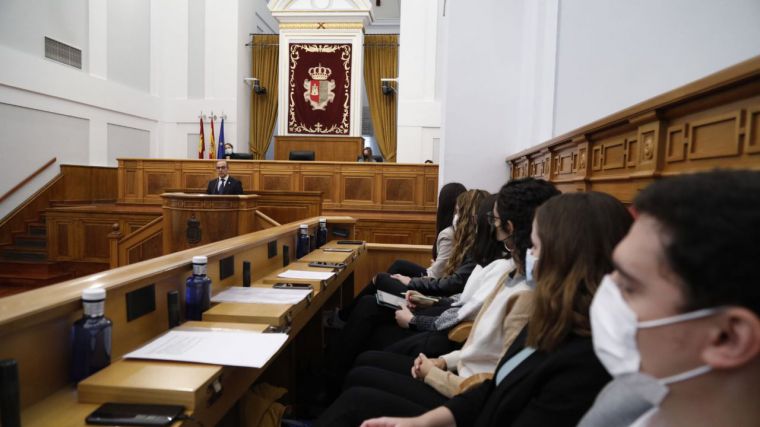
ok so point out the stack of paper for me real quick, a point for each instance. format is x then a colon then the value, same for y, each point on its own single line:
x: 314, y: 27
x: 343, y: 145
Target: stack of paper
x: 306, y: 275
x: 228, y: 348
x: 261, y: 295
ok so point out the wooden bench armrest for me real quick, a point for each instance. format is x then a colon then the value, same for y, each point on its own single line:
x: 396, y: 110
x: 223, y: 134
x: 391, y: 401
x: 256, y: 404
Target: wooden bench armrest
x: 460, y: 332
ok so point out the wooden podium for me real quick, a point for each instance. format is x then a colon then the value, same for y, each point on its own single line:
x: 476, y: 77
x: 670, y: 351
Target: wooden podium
x: 325, y: 148
x: 192, y: 220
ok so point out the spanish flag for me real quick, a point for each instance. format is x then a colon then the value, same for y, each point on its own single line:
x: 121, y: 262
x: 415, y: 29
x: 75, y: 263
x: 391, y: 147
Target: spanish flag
x: 201, y: 143
x: 212, y: 142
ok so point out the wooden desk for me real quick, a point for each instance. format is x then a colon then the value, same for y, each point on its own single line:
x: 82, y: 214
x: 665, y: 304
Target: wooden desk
x: 325, y: 148
x: 34, y: 325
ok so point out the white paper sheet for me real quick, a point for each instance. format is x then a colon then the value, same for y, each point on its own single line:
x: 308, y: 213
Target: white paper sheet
x: 228, y: 348
x: 307, y: 275
x: 261, y: 295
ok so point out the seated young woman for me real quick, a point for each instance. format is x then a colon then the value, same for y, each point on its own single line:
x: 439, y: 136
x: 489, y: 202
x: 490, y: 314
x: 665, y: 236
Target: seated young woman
x: 460, y: 264
x: 458, y: 268
x: 445, y: 218
x: 549, y: 375
x: 367, y: 317
x: 493, y: 265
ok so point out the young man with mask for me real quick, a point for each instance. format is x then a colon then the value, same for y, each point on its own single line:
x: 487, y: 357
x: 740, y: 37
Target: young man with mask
x: 677, y: 324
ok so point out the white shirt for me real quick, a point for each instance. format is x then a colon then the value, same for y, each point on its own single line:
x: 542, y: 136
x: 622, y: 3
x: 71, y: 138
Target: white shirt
x: 485, y: 345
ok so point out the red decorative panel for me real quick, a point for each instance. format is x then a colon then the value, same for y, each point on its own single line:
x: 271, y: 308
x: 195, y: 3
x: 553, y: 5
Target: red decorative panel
x: 319, y: 89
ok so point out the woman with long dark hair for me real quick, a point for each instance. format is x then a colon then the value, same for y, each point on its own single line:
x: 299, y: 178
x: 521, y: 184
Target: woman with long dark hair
x: 444, y: 230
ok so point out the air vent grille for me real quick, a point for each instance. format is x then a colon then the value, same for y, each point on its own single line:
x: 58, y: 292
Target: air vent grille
x: 63, y: 53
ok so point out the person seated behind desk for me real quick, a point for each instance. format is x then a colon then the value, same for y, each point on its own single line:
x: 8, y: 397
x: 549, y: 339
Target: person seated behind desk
x: 228, y: 150
x: 367, y: 156
x: 224, y: 184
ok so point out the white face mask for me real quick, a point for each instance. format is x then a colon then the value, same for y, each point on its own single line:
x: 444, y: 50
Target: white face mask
x: 530, y: 264
x: 613, y: 330
x: 228, y: 151
x: 454, y: 221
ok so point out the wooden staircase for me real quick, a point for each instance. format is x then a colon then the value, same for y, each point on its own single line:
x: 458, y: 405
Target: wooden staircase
x: 24, y: 263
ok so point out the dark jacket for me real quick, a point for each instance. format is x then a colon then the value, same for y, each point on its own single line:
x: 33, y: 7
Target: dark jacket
x: 445, y: 286
x: 546, y: 389
x: 232, y: 186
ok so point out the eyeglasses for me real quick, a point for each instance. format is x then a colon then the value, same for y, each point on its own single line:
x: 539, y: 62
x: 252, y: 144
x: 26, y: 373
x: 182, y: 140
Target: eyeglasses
x: 221, y: 167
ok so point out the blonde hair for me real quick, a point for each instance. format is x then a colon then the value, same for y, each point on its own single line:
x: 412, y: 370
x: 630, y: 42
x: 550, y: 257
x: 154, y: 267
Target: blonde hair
x: 464, y: 235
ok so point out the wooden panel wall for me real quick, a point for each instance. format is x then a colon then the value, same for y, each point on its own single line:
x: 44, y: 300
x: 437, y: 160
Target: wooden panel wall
x: 344, y: 186
x: 75, y: 184
x: 82, y: 235
x: 711, y: 123
x: 325, y: 148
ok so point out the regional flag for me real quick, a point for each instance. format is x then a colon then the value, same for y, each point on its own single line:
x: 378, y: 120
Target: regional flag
x: 201, y: 143
x: 212, y: 143
x: 220, y: 150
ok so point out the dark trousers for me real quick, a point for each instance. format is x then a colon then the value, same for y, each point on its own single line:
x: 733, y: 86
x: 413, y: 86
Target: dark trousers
x: 380, y: 385
x: 383, y: 282
x: 429, y: 343
x: 407, y: 268
x: 370, y: 327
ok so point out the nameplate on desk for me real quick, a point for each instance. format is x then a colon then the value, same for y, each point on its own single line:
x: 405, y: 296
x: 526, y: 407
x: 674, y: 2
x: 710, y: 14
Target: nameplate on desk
x: 306, y: 275
x: 246, y: 349
x: 262, y: 295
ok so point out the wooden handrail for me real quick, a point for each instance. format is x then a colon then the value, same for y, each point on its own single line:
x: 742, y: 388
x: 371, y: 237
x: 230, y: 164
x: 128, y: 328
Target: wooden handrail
x: 267, y: 219
x: 27, y: 179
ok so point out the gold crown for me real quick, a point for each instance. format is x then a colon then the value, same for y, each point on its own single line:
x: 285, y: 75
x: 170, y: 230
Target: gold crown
x: 319, y: 72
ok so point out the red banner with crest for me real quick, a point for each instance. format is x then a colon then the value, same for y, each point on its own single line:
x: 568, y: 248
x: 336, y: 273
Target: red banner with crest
x: 319, y: 98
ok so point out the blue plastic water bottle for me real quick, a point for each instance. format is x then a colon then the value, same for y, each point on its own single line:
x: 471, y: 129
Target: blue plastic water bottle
x: 197, y: 290
x: 302, y: 245
x: 322, y: 232
x: 91, y: 336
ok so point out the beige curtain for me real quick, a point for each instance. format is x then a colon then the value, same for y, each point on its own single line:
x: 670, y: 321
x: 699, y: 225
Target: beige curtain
x: 266, y: 48
x: 381, y: 61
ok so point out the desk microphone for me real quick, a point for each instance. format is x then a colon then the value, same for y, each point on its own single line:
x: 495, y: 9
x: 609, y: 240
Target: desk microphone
x: 10, y: 403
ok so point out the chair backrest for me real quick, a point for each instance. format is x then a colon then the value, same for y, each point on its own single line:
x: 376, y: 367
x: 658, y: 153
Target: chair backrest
x: 301, y: 155
x: 378, y: 158
x: 241, y: 156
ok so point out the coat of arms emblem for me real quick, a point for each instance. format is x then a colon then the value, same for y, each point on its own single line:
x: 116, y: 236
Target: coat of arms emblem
x: 319, y: 90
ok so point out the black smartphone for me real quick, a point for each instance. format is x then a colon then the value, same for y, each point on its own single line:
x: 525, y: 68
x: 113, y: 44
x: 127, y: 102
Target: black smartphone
x: 350, y: 242
x: 134, y: 414
x: 325, y: 264
x: 292, y: 286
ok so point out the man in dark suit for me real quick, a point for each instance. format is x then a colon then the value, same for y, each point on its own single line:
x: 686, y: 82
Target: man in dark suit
x: 224, y: 184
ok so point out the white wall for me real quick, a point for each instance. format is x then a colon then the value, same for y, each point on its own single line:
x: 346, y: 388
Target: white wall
x: 129, y: 44
x: 616, y: 53
x: 495, y: 86
x: 24, y: 24
x: 419, y: 91
x: 125, y: 141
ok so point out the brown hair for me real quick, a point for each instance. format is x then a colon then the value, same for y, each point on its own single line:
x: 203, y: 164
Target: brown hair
x: 578, y: 232
x: 464, y: 236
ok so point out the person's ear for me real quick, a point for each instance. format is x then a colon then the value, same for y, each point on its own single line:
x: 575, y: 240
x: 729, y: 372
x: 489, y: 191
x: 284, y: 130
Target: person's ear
x: 734, y: 339
x: 509, y: 228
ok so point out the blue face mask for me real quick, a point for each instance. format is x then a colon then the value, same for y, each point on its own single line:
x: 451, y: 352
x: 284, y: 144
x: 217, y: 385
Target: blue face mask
x: 530, y: 264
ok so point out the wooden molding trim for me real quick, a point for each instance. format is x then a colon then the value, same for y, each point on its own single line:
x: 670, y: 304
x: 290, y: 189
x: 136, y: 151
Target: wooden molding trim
x: 27, y: 179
